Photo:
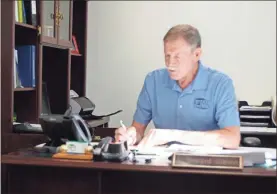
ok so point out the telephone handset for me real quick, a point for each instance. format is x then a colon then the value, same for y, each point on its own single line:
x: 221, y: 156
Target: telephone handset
x: 80, y: 129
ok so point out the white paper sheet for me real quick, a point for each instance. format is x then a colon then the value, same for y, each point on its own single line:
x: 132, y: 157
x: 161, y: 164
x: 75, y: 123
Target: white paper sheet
x: 258, y: 129
x: 270, y: 153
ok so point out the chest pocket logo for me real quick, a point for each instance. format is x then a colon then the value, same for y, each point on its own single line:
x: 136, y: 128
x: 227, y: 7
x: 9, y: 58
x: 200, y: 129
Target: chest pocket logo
x: 201, y: 103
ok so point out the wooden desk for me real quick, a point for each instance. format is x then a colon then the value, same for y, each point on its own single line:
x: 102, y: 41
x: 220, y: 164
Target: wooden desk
x: 43, y: 175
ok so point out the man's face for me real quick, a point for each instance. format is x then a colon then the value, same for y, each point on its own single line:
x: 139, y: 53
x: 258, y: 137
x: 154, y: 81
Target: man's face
x: 180, y: 58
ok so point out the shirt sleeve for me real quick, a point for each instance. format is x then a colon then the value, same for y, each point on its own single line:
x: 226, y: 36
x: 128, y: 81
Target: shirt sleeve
x: 227, y: 113
x: 143, y: 113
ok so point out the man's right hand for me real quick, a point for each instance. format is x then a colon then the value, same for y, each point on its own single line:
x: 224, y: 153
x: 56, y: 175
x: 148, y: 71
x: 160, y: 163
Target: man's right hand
x: 129, y: 135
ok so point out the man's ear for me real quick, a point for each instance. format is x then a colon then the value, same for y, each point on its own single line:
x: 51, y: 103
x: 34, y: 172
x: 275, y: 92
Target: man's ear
x: 197, y: 53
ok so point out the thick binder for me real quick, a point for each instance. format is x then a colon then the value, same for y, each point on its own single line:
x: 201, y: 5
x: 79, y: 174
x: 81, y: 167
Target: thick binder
x: 26, y: 65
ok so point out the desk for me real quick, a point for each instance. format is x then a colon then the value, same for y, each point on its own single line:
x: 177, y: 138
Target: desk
x: 32, y: 175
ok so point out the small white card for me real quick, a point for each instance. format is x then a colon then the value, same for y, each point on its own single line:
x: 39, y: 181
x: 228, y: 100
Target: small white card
x: 75, y: 147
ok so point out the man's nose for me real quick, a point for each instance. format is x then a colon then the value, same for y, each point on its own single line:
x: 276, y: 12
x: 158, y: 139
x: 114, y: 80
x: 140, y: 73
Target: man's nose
x: 172, y: 61
x: 173, y: 64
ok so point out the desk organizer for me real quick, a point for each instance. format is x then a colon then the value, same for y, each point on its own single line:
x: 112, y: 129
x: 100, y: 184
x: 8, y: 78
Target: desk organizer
x: 256, y: 116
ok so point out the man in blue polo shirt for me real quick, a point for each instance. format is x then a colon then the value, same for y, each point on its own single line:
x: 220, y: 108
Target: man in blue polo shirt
x: 187, y: 101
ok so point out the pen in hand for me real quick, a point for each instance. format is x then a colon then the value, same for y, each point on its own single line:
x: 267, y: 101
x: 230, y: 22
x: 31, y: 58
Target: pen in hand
x: 122, y: 125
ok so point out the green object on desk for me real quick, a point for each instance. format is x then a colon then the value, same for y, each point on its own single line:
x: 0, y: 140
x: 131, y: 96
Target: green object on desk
x: 269, y: 164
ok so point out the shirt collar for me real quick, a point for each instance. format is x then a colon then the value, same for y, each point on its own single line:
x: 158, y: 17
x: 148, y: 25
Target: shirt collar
x: 200, y: 81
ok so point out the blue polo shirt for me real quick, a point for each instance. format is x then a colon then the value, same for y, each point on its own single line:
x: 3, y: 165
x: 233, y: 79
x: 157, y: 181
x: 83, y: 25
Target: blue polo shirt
x: 208, y: 103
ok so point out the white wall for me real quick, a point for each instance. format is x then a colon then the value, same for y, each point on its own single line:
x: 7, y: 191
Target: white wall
x: 125, y: 43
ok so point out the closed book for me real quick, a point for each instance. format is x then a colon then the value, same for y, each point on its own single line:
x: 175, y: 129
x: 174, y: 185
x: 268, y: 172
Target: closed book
x: 26, y: 64
x: 31, y: 12
x: 16, y: 11
x: 20, y: 10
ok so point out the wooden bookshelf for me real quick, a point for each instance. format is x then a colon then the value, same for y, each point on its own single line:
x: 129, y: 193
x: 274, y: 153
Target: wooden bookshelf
x: 24, y: 25
x: 54, y: 64
x: 23, y: 89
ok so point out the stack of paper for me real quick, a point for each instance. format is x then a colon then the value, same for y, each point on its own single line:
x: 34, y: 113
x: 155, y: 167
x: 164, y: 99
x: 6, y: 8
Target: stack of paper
x: 251, y: 155
x: 258, y: 129
x: 255, y: 108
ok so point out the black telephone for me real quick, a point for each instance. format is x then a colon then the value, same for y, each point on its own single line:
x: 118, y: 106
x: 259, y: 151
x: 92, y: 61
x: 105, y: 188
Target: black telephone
x: 84, y: 107
x: 60, y: 128
x: 111, y: 151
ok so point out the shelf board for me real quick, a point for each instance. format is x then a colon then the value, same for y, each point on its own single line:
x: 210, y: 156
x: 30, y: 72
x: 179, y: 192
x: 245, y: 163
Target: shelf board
x: 31, y: 134
x: 25, y: 25
x: 77, y: 55
x: 23, y: 89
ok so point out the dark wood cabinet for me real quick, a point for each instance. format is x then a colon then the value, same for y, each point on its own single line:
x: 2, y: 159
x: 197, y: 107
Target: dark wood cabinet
x: 51, y: 34
x: 56, y: 23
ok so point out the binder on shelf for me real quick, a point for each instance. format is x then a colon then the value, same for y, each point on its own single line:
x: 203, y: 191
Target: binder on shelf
x: 26, y: 65
x: 255, y: 116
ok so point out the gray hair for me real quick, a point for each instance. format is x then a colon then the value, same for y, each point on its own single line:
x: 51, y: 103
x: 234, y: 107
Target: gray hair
x: 189, y: 33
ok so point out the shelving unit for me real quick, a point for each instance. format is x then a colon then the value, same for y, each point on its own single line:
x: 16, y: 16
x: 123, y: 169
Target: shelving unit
x: 25, y: 25
x: 256, y: 115
x: 54, y: 64
x: 23, y: 89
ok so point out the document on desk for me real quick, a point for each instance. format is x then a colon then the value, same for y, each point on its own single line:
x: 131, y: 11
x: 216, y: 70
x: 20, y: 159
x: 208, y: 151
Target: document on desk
x: 161, y: 151
x: 251, y: 155
x: 270, y: 153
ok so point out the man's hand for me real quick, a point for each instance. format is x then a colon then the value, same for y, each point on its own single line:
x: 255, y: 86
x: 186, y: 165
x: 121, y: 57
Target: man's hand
x: 128, y: 135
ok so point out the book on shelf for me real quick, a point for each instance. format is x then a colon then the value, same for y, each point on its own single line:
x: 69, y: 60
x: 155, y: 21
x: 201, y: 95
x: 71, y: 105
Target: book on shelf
x: 16, y: 81
x: 25, y: 71
x: 26, y: 12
